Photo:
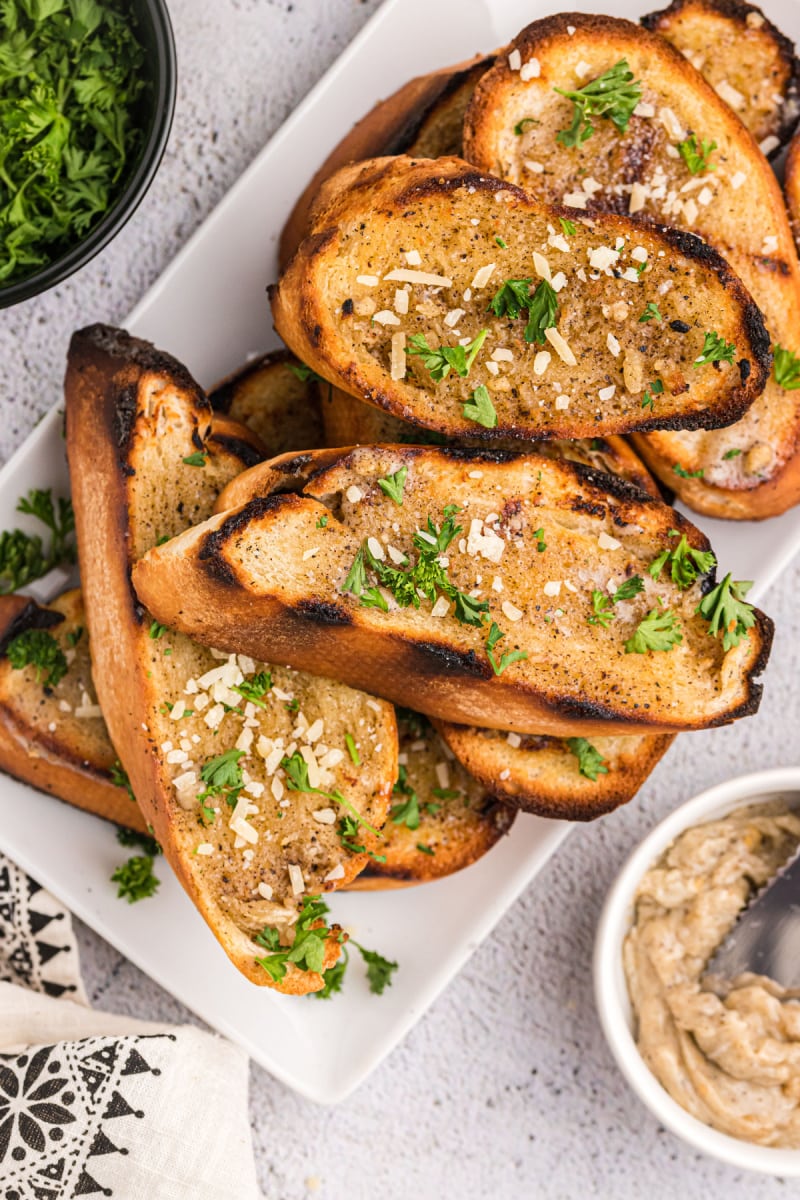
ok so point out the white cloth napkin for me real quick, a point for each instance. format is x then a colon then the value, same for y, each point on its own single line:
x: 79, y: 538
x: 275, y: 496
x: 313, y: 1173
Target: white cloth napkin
x: 93, y: 1104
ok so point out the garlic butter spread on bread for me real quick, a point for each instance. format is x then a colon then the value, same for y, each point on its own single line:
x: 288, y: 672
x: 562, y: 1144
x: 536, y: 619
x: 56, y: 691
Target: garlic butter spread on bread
x: 456, y: 301
x: 240, y: 766
x: 416, y: 573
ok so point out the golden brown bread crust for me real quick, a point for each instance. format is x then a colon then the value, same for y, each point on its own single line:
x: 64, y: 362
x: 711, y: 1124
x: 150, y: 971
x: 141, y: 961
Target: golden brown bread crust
x: 128, y: 407
x: 253, y: 564
x: 731, y: 42
x: 416, y: 119
x: 747, y: 470
x: 73, y: 761
x: 367, y: 213
x: 540, y: 775
x: 272, y: 399
x: 791, y: 186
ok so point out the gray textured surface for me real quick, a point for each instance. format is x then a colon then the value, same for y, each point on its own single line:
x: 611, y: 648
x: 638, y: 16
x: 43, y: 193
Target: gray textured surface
x: 505, y: 1088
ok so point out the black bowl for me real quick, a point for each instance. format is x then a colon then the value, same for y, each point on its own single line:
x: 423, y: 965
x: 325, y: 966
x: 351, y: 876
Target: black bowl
x: 155, y: 31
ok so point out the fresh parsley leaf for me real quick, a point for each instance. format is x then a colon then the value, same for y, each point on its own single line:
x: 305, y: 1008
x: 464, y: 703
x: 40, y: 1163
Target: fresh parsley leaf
x: 630, y: 588
x: 195, y: 460
x: 307, y: 949
x: 297, y: 780
x: 652, y: 390
x: 590, y: 761
x: 255, y: 688
x: 715, y: 349
x: 135, y: 879
x: 684, y: 474
x: 119, y: 777
x: 480, y: 409
x: 525, y: 124
x: 407, y: 811
x: 156, y: 630
x: 423, y: 849
x: 379, y: 969
x: 733, y: 453
x: 38, y: 648
x: 684, y: 562
x: 393, y: 485
x: 651, y: 313
x: 304, y: 373
x: 333, y: 977
x: 568, y: 227
x: 501, y: 243
x: 496, y: 635
x: 322, y: 522
x: 514, y: 296
x: 440, y: 361
x: 223, y: 777
x: 132, y: 837
x: 511, y: 298
x: 613, y: 95
x: 786, y: 369
x: 602, y: 609
x: 23, y: 556
x: 541, y: 544
x: 75, y: 635
x: 352, y: 750
x: 657, y: 631
x: 356, y: 579
x: 696, y: 154
x: 727, y: 611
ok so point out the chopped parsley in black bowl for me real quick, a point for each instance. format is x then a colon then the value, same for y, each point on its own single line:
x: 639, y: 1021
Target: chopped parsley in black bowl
x: 87, y: 92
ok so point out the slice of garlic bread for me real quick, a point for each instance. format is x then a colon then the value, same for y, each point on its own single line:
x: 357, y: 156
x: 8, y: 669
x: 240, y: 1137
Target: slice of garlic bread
x: 652, y: 157
x: 52, y: 734
x: 278, y: 398
x: 555, y: 574
x: 411, y: 290
x: 441, y: 819
x: 750, y: 64
x: 791, y: 186
x: 570, y: 778
x: 223, y: 751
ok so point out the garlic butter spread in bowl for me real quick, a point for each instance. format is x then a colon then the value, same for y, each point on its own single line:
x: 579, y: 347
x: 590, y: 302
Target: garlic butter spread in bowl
x: 719, y: 1068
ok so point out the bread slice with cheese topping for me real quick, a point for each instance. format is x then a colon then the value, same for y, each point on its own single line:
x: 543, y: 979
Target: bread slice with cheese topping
x: 509, y: 551
x: 277, y: 397
x: 652, y: 165
x: 224, y: 752
x: 750, y: 64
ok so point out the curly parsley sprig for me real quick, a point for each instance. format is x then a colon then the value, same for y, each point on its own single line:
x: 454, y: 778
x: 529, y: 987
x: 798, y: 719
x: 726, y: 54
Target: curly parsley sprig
x: 23, y: 556
x: 613, y: 95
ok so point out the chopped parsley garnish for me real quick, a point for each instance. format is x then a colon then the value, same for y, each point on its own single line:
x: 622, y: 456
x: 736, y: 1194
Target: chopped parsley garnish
x: 652, y: 390
x: 657, y: 631
x: 132, y: 837
x: 542, y: 306
x: 524, y: 124
x: 407, y: 811
x: 304, y: 373
x: 74, y: 636
x: 684, y: 562
x: 786, y: 369
x: 23, y: 556
x: 135, y: 879
x: 567, y: 226
x: 393, y: 485
x: 440, y: 361
x: 480, y: 409
x: 684, y: 474
x: 727, y: 611
x: 495, y: 635
x: 423, y: 849
x: 307, y: 950
x: 72, y: 77
x: 501, y: 243
x: 38, y: 648
x: 603, y: 604
x: 651, y: 313
x: 333, y: 977
x: 715, y: 349
x: 195, y: 460
x: 541, y: 544
x: 590, y: 761
x: 379, y: 972
x: 119, y: 777
x: 297, y: 780
x: 352, y: 750
x: 223, y: 777
x: 253, y: 689
x: 734, y: 453
x: 696, y: 154
x: 322, y: 522
x: 156, y: 630
x: 613, y: 95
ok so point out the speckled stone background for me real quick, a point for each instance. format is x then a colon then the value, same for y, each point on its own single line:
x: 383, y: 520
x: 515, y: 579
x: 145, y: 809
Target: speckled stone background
x: 505, y: 1089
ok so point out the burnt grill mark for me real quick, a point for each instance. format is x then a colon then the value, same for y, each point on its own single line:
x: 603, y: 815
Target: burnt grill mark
x: 679, y: 326
x: 238, y: 447
x: 592, y: 509
x: 197, y: 441
x: 32, y: 616
x: 445, y: 660
x: 323, y: 612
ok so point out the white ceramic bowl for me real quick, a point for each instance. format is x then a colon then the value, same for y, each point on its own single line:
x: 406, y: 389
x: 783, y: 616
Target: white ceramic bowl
x: 609, y: 978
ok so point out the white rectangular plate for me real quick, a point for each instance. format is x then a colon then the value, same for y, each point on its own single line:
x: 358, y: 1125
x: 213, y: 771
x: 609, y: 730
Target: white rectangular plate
x: 210, y: 311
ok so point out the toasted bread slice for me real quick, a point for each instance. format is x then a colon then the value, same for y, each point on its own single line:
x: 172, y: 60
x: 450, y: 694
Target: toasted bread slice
x: 337, y: 307
x: 348, y: 422
x: 748, y: 61
x: 749, y: 469
x: 423, y: 118
x: 137, y: 430
x: 54, y: 737
x: 791, y: 186
x: 442, y: 819
x: 271, y: 578
x: 277, y: 398
x: 542, y: 775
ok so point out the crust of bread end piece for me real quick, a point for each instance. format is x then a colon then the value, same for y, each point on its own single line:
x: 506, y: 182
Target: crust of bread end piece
x: 284, y: 571
x: 338, y: 305
x: 642, y: 172
x: 144, y: 465
x: 541, y: 775
x: 276, y: 397
x: 53, y: 737
x: 743, y: 56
